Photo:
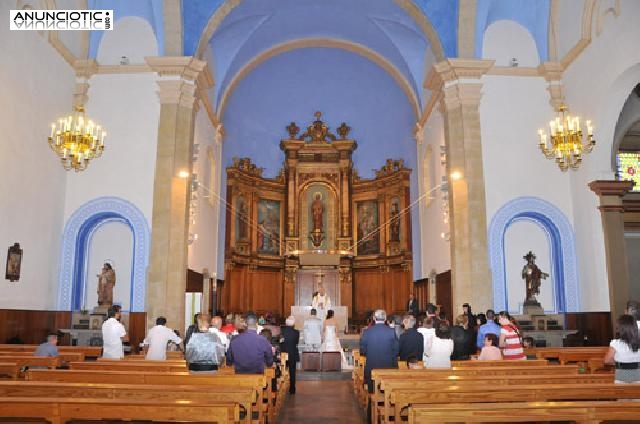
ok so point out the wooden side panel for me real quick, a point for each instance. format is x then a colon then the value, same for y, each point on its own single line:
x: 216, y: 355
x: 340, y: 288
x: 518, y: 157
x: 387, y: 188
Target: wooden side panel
x: 595, y: 326
x: 368, y: 292
x: 397, y: 286
x: 443, y: 294
x: 235, y: 290
x: 31, y: 326
x: 138, y: 328
x: 265, y: 291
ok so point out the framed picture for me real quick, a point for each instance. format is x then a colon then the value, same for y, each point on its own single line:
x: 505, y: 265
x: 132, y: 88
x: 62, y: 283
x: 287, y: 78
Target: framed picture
x: 14, y: 261
x: 95, y: 322
x: 368, y: 233
x: 268, y: 237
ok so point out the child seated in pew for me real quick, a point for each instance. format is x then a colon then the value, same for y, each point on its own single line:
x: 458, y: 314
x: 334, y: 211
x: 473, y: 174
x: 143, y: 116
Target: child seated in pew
x: 490, y: 351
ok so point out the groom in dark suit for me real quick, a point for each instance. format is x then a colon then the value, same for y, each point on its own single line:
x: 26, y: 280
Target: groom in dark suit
x: 289, y: 343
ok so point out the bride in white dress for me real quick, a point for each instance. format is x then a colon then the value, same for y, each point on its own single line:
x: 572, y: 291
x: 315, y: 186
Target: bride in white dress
x: 331, y: 342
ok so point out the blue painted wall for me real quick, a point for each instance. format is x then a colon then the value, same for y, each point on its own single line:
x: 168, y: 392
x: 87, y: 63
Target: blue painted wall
x: 293, y: 85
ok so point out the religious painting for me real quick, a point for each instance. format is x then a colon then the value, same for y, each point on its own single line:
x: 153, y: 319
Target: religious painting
x: 242, y: 219
x: 368, y: 237
x: 394, y: 219
x: 318, y: 210
x: 14, y: 262
x: 268, y: 240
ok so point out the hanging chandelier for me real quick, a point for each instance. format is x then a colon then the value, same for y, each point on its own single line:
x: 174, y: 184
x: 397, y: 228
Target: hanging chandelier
x: 76, y: 141
x: 566, y: 136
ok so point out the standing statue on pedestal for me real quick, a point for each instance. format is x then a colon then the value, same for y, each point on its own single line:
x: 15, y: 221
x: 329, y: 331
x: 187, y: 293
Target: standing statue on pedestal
x: 106, y: 281
x: 532, y: 276
x: 317, y: 211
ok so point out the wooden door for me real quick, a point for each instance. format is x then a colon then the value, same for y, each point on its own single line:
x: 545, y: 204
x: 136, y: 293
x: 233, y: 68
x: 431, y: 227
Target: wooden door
x: 443, y: 293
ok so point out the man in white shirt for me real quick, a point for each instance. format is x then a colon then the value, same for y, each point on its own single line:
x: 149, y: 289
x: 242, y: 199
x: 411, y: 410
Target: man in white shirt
x: 155, y: 344
x: 113, y: 334
x: 313, y: 331
x: 216, y: 325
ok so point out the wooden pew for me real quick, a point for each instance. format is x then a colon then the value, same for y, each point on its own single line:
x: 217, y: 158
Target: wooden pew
x: 118, y: 365
x: 64, y: 356
x: 261, y: 383
x: 88, y: 351
x: 579, y: 412
x: 32, y: 361
x: 490, y: 376
x: 9, y: 370
x: 61, y: 410
x: 401, y: 398
x: 243, y: 396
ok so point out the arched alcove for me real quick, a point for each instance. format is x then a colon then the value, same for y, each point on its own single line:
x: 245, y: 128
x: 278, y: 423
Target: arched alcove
x: 75, y: 247
x: 561, y: 247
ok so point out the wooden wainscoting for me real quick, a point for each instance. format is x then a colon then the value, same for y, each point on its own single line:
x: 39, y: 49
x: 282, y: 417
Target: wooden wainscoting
x: 375, y: 289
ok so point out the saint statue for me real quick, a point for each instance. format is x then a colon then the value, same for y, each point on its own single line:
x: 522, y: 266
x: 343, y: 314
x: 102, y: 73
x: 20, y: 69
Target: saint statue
x: 317, y: 211
x: 243, y: 219
x: 532, y: 276
x: 395, y: 222
x: 106, y: 281
x: 321, y: 299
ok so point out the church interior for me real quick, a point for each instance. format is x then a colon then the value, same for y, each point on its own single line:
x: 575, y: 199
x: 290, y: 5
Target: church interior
x: 253, y: 151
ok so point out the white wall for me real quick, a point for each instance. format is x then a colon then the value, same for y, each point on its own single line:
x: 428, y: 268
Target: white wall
x: 36, y: 87
x: 597, y: 84
x: 568, y: 26
x: 203, y: 251
x: 436, y: 253
x: 507, y: 40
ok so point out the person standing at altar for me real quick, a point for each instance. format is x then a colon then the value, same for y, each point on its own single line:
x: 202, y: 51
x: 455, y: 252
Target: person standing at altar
x: 412, y: 305
x: 321, y: 300
x: 313, y: 331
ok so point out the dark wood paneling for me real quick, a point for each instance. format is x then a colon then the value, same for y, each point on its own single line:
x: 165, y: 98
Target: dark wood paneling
x: 443, y: 293
x: 375, y: 289
x: 194, y: 281
x: 421, y: 292
x: 137, y: 329
x: 265, y: 292
x: 31, y: 326
x: 595, y: 326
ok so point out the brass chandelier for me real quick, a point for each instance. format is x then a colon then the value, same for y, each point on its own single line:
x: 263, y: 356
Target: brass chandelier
x: 566, y: 136
x: 76, y: 141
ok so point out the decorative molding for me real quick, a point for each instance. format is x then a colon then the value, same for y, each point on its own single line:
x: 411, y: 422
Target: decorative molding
x: 561, y: 241
x: 360, y: 49
x: 450, y: 70
x: 512, y: 71
x: 76, y: 240
x: 551, y: 71
x: 177, y: 92
x: 185, y: 67
x: 134, y: 68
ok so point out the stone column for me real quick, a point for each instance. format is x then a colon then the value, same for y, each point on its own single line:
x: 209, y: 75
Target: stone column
x: 460, y: 85
x: 612, y: 213
x: 177, y: 81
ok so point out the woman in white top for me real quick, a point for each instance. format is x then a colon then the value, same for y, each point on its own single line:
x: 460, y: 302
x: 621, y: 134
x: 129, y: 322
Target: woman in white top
x: 438, y: 351
x: 331, y: 342
x: 624, y: 352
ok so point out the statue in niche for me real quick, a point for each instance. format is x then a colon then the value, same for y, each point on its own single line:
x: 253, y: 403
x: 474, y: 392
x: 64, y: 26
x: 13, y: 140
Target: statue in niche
x: 243, y: 219
x: 395, y: 221
x: 532, y: 276
x: 317, y: 211
x: 106, y: 281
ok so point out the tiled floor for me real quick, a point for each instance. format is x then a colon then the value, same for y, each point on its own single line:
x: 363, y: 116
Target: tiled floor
x: 322, y: 401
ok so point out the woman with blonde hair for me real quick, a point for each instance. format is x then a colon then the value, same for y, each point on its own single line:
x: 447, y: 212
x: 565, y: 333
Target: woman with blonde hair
x: 204, y: 351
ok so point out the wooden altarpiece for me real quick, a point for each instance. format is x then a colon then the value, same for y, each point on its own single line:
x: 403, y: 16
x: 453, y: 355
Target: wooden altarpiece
x: 317, y: 222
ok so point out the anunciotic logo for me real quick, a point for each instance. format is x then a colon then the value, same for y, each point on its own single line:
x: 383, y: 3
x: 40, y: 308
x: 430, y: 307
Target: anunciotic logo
x: 61, y: 20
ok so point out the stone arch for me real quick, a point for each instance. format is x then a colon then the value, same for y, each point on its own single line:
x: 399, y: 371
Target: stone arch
x: 561, y: 246
x: 75, y: 245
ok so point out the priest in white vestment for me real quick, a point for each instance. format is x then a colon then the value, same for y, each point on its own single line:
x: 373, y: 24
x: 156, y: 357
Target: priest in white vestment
x: 321, y: 300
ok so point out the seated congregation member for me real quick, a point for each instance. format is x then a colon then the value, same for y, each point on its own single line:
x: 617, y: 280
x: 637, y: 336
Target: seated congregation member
x: 48, y: 348
x: 428, y: 331
x: 249, y: 352
x: 190, y: 329
x: 155, y: 344
x: 490, y: 351
x: 463, y: 341
x: 624, y: 351
x: 205, y: 351
x: 438, y: 351
x: 489, y: 327
x: 510, y: 340
x: 216, y: 328
x: 411, y: 342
